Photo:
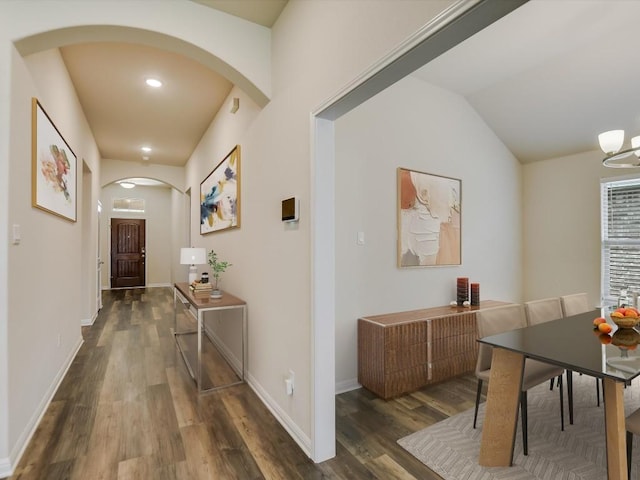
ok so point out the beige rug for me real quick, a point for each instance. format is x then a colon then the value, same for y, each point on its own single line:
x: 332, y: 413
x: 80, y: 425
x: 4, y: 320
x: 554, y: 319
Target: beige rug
x: 451, y: 447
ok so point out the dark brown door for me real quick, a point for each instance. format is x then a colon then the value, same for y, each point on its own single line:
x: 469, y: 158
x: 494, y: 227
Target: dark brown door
x: 127, y: 252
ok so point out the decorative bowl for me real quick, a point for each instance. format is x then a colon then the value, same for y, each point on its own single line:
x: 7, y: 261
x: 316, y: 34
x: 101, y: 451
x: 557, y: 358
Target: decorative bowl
x: 625, y: 322
x: 626, y: 338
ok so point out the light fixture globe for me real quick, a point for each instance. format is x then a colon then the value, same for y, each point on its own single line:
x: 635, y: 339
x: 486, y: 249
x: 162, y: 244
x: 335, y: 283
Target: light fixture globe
x: 611, y: 141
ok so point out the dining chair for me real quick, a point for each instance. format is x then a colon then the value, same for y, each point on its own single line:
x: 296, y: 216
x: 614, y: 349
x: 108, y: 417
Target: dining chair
x: 503, y: 319
x: 632, y: 423
x: 573, y: 305
x: 545, y: 310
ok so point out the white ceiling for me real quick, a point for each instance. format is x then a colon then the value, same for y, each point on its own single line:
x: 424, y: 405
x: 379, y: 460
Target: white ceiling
x: 125, y: 114
x: 547, y: 78
x: 551, y: 75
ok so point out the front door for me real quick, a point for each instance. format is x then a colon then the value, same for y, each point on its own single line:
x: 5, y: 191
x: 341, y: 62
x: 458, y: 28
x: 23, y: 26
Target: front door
x: 127, y: 252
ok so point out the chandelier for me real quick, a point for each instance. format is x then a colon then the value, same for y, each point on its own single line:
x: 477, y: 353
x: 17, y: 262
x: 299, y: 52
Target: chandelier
x: 611, y: 143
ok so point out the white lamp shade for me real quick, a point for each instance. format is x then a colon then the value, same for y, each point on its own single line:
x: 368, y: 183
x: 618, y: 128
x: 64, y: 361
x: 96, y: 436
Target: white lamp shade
x: 193, y: 256
x: 611, y: 141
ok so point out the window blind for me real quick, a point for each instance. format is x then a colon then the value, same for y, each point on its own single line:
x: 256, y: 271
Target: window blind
x: 620, y: 238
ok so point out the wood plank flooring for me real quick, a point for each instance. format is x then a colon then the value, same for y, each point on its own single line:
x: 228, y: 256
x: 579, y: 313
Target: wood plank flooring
x: 128, y: 409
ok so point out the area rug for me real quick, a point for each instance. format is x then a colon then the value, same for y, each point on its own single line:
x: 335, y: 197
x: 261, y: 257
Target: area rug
x: 451, y: 447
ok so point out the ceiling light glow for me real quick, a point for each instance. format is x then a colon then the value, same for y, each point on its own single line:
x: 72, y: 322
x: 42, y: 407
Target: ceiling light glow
x: 153, y: 82
x: 127, y: 184
x: 146, y: 149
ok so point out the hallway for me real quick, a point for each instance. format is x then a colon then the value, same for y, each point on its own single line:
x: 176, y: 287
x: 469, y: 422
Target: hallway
x: 127, y: 409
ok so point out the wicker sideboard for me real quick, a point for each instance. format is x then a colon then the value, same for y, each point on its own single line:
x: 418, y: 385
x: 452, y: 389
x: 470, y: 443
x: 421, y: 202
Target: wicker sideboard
x: 402, y: 352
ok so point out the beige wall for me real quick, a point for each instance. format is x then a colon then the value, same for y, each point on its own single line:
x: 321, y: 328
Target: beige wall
x: 318, y: 47
x: 418, y: 126
x: 44, y: 334
x: 158, y: 225
x: 562, y: 225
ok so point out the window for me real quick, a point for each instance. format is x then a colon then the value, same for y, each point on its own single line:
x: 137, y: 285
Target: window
x: 620, y: 200
x: 131, y: 205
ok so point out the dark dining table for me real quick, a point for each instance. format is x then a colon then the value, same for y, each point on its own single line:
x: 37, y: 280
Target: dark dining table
x: 572, y: 343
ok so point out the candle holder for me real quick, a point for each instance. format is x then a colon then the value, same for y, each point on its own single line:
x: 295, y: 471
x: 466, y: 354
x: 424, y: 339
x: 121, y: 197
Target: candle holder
x: 462, y: 292
x: 475, y: 294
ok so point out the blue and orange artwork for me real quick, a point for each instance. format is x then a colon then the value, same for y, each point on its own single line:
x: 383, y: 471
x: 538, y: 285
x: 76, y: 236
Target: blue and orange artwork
x: 219, y: 195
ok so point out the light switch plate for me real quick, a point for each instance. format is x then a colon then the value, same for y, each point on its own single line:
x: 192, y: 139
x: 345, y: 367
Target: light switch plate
x: 15, y: 237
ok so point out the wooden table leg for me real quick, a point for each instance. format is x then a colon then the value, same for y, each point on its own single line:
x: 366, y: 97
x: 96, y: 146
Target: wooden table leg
x: 615, y: 429
x: 501, y: 413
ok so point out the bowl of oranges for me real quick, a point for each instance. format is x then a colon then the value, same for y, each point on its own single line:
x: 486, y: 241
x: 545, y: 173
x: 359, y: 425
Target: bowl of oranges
x: 625, y: 317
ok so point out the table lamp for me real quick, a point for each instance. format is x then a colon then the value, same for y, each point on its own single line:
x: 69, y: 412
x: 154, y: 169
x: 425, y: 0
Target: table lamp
x: 193, y: 256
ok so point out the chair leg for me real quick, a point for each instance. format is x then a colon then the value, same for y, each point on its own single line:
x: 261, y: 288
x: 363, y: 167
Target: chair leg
x: 598, y: 390
x: 570, y: 394
x: 629, y: 451
x: 551, y: 384
x: 523, y: 412
x: 561, y: 403
x: 478, y: 393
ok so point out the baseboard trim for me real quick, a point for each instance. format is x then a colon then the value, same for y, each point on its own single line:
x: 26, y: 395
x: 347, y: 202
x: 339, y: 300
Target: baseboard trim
x: 303, y: 441
x: 87, y: 322
x: 5, y: 468
x: 8, y: 465
x: 347, y: 386
x: 294, y: 431
x: 228, y: 355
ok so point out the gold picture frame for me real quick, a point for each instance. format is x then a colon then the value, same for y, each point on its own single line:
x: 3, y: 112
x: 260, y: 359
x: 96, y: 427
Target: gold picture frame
x: 220, y: 195
x: 53, y: 167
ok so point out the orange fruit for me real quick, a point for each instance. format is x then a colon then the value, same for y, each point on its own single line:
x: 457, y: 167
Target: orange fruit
x: 629, y: 313
x: 605, y: 328
x: 605, y: 339
x: 617, y: 314
x: 598, y: 321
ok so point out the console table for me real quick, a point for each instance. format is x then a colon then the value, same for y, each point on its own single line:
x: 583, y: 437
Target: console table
x: 189, y: 313
x: 401, y: 352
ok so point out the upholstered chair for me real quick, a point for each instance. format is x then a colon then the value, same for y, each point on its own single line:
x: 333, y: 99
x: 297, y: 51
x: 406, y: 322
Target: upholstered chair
x: 502, y: 319
x: 575, y: 304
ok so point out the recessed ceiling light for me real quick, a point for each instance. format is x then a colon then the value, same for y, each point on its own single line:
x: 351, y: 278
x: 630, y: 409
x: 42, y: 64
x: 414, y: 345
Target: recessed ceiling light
x: 127, y: 184
x: 146, y: 149
x: 153, y: 82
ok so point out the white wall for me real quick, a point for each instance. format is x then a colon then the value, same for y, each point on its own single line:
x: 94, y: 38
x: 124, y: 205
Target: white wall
x: 318, y: 46
x: 418, y: 126
x: 114, y: 170
x: 43, y: 335
x: 562, y: 225
x: 158, y: 225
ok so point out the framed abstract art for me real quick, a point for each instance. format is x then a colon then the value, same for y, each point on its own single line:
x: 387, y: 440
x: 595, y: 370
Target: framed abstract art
x: 220, y: 195
x: 429, y: 219
x: 53, y: 167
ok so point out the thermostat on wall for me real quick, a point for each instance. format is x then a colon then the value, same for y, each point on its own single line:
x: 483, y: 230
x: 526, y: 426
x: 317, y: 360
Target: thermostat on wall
x: 290, y: 208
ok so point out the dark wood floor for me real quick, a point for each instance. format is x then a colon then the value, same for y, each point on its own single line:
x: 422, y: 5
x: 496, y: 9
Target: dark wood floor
x: 127, y: 409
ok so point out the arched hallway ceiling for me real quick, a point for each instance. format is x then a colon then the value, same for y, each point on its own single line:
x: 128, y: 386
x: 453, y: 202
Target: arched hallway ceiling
x: 125, y: 114
x: 109, y: 69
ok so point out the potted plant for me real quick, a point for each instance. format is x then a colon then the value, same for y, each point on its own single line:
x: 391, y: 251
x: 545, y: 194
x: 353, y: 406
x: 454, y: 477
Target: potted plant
x: 217, y: 269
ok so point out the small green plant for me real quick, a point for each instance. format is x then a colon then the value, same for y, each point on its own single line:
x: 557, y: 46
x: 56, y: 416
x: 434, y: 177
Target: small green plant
x: 217, y: 267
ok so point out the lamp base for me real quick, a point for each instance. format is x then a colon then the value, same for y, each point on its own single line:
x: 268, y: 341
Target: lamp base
x: 193, y: 274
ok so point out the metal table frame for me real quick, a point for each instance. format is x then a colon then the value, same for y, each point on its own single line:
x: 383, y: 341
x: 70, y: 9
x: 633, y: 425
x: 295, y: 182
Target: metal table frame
x: 182, y: 293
